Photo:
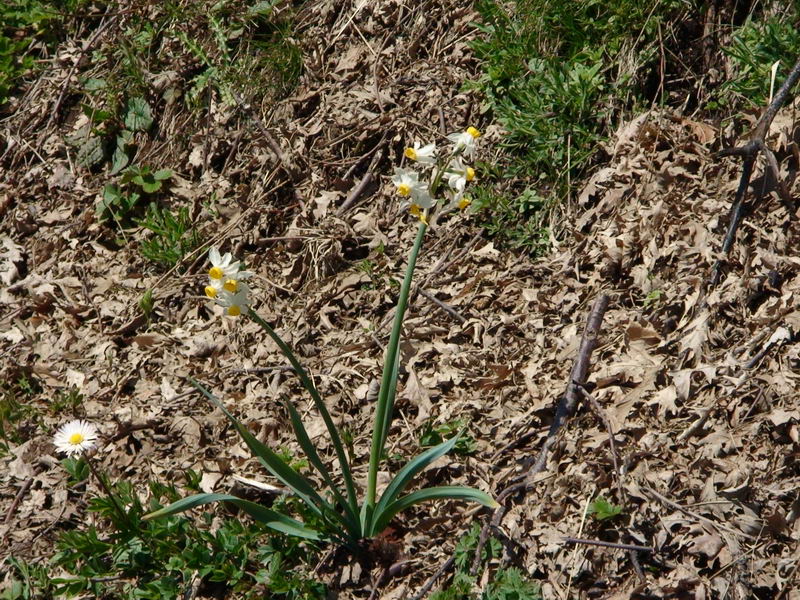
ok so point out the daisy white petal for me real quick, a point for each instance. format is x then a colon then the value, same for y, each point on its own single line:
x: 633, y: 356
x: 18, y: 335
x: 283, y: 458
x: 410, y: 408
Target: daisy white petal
x: 75, y: 438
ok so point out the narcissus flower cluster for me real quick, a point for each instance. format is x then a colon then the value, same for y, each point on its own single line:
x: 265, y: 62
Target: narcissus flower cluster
x: 449, y: 169
x: 226, y: 284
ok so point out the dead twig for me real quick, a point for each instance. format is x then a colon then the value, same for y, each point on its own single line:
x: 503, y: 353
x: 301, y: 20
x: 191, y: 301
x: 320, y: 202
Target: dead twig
x: 54, y: 114
x: 565, y: 409
x: 594, y: 405
x: 675, y: 506
x: 448, y: 564
x: 444, y: 306
x: 631, y: 547
x: 749, y: 152
x: 17, y: 499
x: 367, y: 180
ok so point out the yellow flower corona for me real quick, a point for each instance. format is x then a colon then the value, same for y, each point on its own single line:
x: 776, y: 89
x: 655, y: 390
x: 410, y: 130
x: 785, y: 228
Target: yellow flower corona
x: 404, y: 189
x: 216, y: 273
x: 464, y: 202
x: 234, y: 311
x: 231, y: 286
x: 211, y: 291
x: 470, y: 174
x: 410, y: 153
x: 473, y: 132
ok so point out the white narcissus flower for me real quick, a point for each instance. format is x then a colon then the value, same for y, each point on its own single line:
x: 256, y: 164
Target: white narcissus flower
x: 222, y: 267
x: 422, y: 154
x: 234, y: 303
x: 458, y: 174
x: 465, y: 141
x: 224, y: 274
x: 75, y: 437
x: 409, y: 186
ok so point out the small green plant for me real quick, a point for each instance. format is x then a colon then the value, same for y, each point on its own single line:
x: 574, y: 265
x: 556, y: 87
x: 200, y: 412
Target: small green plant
x: 754, y: 48
x: 147, y: 304
x: 433, y: 435
x: 506, y: 584
x: 66, y: 401
x: 18, y: 417
x: 122, y: 556
x: 601, y: 509
x: 341, y: 516
x: 121, y: 201
x: 653, y: 298
x: 23, y: 23
x: 173, y: 235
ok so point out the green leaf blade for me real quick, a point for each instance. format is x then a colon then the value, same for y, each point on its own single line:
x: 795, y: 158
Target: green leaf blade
x: 268, y: 517
x: 383, y: 515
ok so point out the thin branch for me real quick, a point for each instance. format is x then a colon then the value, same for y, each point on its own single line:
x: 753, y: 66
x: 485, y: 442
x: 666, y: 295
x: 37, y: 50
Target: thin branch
x: 444, y: 306
x: 565, y: 409
x: 749, y: 152
x: 631, y: 547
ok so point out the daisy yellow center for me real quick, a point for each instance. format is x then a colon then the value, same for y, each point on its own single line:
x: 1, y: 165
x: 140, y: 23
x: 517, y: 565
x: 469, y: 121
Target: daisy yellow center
x: 76, y: 438
x: 231, y: 286
x: 404, y: 189
x: 211, y: 291
x: 470, y: 174
x: 473, y: 132
x: 234, y: 311
x: 410, y: 153
x: 215, y: 273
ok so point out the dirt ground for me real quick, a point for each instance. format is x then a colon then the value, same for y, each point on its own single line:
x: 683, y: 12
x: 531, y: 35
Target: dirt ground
x: 698, y: 385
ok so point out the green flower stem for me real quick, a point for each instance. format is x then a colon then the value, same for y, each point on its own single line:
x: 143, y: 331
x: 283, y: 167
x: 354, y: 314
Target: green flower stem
x: 352, y: 499
x: 103, y: 484
x: 385, y: 405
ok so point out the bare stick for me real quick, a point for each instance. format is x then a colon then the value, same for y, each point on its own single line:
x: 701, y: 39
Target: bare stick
x: 675, y: 506
x: 598, y: 410
x: 86, y: 47
x: 17, y: 500
x: 564, y: 410
x: 444, y: 306
x: 429, y: 584
x: 749, y: 153
x: 632, y: 547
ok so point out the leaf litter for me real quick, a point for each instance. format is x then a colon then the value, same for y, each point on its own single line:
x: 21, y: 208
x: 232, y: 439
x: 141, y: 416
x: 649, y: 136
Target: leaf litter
x: 700, y: 387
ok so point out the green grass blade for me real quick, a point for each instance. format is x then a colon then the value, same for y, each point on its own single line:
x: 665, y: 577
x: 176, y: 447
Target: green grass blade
x: 408, y: 472
x: 451, y: 492
x: 268, y: 517
x: 385, y: 403
x: 313, y: 456
x: 276, y: 465
x: 341, y: 455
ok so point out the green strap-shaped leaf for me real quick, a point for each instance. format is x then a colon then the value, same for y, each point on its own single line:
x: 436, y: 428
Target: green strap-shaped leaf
x: 269, y: 517
x: 277, y: 466
x: 408, y: 472
x: 451, y: 492
x: 313, y: 456
x: 385, y: 404
x: 341, y: 455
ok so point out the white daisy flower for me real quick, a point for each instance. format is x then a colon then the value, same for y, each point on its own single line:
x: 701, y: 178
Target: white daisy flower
x: 422, y: 154
x: 75, y: 437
